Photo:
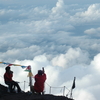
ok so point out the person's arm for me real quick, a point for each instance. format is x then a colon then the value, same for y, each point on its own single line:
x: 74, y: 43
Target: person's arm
x: 43, y: 70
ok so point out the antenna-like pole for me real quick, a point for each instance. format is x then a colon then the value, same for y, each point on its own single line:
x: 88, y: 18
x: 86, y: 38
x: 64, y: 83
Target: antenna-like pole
x: 30, y: 78
x: 73, y: 86
x: 30, y: 82
x: 64, y: 91
x: 24, y: 85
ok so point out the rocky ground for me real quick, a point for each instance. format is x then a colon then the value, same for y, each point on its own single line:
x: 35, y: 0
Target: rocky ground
x: 4, y: 95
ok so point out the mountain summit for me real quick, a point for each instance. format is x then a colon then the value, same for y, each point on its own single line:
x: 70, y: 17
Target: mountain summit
x: 4, y: 95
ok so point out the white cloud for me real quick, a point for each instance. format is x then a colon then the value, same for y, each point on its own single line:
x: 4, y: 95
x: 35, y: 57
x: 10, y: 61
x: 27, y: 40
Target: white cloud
x: 90, y: 16
x: 59, y: 7
x: 83, y: 94
x: 21, y: 53
x: 86, y: 83
x: 96, y: 63
x: 92, y: 9
x: 72, y: 57
x: 93, y: 31
x: 42, y: 34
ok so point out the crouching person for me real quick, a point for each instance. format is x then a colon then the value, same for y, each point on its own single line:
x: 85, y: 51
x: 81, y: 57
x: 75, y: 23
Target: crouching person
x: 40, y: 79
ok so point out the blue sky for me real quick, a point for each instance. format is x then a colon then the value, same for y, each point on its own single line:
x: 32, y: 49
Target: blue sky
x: 60, y: 35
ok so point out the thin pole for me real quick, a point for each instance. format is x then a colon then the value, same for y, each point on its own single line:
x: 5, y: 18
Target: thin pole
x: 24, y: 85
x: 71, y: 93
x: 73, y: 86
x: 64, y: 91
x: 30, y: 78
x: 30, y: 82
x: 50, y: 90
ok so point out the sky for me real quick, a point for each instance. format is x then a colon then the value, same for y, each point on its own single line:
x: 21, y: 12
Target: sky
x: 60, y: 35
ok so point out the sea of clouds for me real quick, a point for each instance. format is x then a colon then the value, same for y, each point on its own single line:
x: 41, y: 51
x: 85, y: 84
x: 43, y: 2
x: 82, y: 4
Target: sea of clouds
x: 61, y: 36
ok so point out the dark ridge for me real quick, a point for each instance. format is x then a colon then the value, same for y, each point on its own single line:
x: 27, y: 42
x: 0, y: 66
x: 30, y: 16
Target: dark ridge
x: 4, y: 95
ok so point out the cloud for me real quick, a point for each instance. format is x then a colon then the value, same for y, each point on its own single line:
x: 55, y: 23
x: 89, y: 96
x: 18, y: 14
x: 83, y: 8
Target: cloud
x: 89, y: 16
x: 93, y: 31
x: 20, y: 53
x: 88, y: 83
x: 96, y: 62
x: 59, y: 7
x: 92, y: 9
x: 85, y: 75
x: 72, y: 57
x: 50, y: 34
x: 85, y: 95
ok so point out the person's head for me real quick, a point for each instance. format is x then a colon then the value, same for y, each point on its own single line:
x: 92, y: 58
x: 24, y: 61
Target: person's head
x: 40, y: 72
x: 7, y: 69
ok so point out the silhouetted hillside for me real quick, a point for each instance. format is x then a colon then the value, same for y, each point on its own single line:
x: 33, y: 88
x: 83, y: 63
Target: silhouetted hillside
x: 27, y: 96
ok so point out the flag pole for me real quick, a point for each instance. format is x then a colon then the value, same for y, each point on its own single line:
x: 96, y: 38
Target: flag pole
x: 24, y: 85
x: 73, y: 86
x: 30, y: 82
x: 71, y: 94
x: 30, y: 78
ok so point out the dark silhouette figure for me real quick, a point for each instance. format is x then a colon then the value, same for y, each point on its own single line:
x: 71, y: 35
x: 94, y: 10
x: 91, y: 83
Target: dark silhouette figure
x: 8, y: 80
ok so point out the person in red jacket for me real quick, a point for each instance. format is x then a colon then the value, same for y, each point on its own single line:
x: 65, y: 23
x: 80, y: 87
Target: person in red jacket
x: 40, y: 79
x: 8, y: 80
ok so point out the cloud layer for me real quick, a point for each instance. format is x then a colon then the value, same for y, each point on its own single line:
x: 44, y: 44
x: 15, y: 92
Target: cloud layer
x: 60, y: 35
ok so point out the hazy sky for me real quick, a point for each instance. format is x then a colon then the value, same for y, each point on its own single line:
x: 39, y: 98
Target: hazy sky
x: 60, y: 35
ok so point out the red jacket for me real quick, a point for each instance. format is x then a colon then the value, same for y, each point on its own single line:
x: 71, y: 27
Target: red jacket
x: 8, y: 77
x: 39, y: 82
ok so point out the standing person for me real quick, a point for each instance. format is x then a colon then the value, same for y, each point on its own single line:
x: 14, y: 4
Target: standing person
x: 40, y: 79
x: 9, y: 81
